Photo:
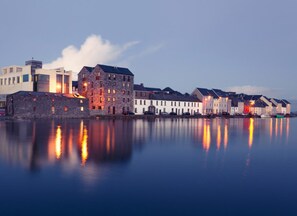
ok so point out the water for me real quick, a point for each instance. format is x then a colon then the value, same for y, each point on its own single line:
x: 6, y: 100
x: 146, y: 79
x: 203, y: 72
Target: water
x: 148, y: 167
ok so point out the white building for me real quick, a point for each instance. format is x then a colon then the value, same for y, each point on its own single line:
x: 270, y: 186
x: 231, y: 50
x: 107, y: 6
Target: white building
x: 32, y: 77
x: 159, y: 101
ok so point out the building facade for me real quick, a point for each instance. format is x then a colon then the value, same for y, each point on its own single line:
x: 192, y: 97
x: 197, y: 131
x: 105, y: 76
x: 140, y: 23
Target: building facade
x: 26, y: 104
x: 166, y: 101
x: 108, y: 88
x: 32, y: 77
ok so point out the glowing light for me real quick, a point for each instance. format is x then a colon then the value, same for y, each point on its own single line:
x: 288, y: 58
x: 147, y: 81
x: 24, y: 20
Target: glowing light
x: 206, y: 137
x: 84, y: 146
x: 85, y: 84
x: 58, y: 142
x: 225, y: 136
x: 288, y: 127
x: 271, y: 128
x: 58, y: 86
x: 219, y: 137
x: 251, y: 132
x: 281, y: 127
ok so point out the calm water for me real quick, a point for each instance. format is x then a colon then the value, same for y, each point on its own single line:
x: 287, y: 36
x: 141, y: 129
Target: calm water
x: 142, y: 167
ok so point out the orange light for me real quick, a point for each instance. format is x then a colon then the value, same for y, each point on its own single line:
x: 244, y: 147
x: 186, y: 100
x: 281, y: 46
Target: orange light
x: 58, y: 142
x: 251, y: 132
x: 85, y: 84
x: 58, y: 86
x: 84, y: 146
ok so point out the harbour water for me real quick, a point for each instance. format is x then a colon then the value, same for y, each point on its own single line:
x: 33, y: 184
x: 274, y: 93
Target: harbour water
x: 148, y: 167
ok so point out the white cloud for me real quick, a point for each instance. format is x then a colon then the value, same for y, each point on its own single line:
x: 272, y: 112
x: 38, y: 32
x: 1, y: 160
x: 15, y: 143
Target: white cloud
x: 93, y: 51
x: 253, y: 90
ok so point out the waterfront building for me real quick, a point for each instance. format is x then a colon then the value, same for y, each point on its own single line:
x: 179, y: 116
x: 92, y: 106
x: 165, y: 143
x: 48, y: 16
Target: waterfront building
x: 32, y: 77
x: 166, y: 101
x: 215, y: 101
x: 25, y: 104
x: 108, y: 88
x: 237, y: 106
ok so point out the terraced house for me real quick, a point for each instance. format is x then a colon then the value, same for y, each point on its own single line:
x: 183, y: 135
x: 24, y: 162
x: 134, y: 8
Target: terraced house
x: 108, y: 88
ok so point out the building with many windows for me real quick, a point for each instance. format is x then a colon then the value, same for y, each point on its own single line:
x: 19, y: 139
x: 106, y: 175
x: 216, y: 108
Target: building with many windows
x: 166, y: 101
x: 32, y: 77
x: 108, y: 88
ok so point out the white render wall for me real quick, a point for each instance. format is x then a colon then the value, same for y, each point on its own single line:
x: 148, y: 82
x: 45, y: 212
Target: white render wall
x: 179, y: 107
x: 15, y: 74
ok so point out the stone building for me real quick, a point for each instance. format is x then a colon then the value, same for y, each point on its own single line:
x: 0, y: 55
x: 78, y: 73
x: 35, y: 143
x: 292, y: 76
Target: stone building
x: 108, y: 88
x: 24, y: 104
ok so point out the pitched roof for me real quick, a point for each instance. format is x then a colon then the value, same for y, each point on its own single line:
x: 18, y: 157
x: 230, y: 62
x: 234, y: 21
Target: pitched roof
x: 205, y: 92
x: 173, y: 97
x: 116, y: 70
x: 90, y: 69
x: 142, y: 88
x: 31, y: 93
x: 220, y: 93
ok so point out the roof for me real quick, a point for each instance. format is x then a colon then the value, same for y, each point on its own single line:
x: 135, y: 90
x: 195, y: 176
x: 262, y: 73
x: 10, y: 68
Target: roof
x: 168, y: 89
x: 260, y: 103
x: 173, y: 97
x: 116, y: 70
x: 287, y: 102
x: 205, y: 92
x: 90, y: 69
x: 29, y: 93
x: 142, y: 88
x: 220, y: 93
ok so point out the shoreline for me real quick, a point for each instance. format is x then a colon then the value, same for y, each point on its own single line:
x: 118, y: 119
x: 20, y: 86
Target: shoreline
x: 148, y: 117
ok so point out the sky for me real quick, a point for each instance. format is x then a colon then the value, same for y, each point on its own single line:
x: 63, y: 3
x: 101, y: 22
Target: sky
x: 245, y: 46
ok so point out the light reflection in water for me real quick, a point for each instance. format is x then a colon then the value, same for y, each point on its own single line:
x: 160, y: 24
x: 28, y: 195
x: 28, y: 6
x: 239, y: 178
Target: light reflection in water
x: 281, y: 128
x: 270, y: 128
x: 219, y: 137
x: 276, y: 127
x: 58, y: 142
x: 225, y: 135
x: 287, y: 127
x: 251, y: 132
x: 84, y: 146
x: 206, y: 136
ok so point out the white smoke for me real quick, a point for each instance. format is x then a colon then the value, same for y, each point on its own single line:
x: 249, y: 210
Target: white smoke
x: 93, y: 51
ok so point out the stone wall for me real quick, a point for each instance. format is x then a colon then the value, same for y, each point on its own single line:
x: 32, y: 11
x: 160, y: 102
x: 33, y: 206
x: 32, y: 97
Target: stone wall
x: 46, y: 105
x: 108, y: 93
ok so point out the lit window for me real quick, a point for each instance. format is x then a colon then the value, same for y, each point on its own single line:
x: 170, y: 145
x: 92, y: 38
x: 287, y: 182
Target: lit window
x: 108, y: 91
x: 65, y: 108
x: 114, y: 91
x: 81, y: 101
x: 53, y: 110
x: 108, y: 99
x: 82, y: 109
x: 113, y: 99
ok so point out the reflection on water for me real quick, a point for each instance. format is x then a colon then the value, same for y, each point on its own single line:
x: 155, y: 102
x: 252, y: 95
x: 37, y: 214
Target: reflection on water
x: 33, y: 143
x: 251, y: 132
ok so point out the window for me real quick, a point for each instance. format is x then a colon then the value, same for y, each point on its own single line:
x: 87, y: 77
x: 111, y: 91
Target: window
x: 161, y: 103
x: 109, y: 76
x: 124, y: 78
x: 171, y: 103
x: 19, y: 69
x: 128, y: 78
x: 34, y: 109
x: 65, y: 108
x: 10, y: 70
x: 123, y: 99
x: 100, y: 91
x: 108, y: 91
x: 101, y: 100
x: 113, y: 91
x: 113, y: 99
x: 114, y: 77
x: 108, y: 99
x: 1, y: 81
x: 97, y: 77
x: 108, y: 110
x: 128, y: 84
x: 128, y: 93
x: 144, y: 102
x: 151, y: 102
x: 128, y: 99
x: 140, y: 102
x: 18, y: 79
x: 135, y: 102
x: 82, y: 109
x: 123, y: 92
x: 81, y: 101
x: 135, y: 110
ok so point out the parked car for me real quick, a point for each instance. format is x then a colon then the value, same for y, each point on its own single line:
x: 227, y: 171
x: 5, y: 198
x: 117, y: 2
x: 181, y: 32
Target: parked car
x: 173, y: 113
x: 148, y: 113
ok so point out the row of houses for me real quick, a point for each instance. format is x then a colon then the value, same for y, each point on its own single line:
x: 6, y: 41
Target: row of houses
x: 110, y: 90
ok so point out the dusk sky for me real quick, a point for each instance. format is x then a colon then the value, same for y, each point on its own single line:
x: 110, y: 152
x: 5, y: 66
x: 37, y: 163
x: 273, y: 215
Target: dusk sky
x: 244, y: 45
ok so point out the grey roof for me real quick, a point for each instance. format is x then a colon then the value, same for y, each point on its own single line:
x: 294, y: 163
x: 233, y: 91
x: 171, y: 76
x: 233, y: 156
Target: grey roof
x: 220, y: 93
x: 142, y: 88
x: 116, y: 70
x: 173, y: 97
x: 260, y: 103
x: 31, y: 93
x: 287, y: 102
x: 90, y: 69
x: 168, y: 89
x: 205, y: 92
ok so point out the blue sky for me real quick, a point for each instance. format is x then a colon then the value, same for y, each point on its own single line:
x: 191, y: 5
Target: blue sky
x: 241, y: 45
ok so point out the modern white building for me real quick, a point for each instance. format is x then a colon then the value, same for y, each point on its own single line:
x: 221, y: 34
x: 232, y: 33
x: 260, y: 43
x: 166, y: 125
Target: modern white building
x: 164, y: 101
x: 32, y: 77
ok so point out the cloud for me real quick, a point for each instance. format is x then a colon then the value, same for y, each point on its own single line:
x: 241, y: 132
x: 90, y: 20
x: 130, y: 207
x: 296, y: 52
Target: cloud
x: 93, y: 51
x: 254, y: 90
